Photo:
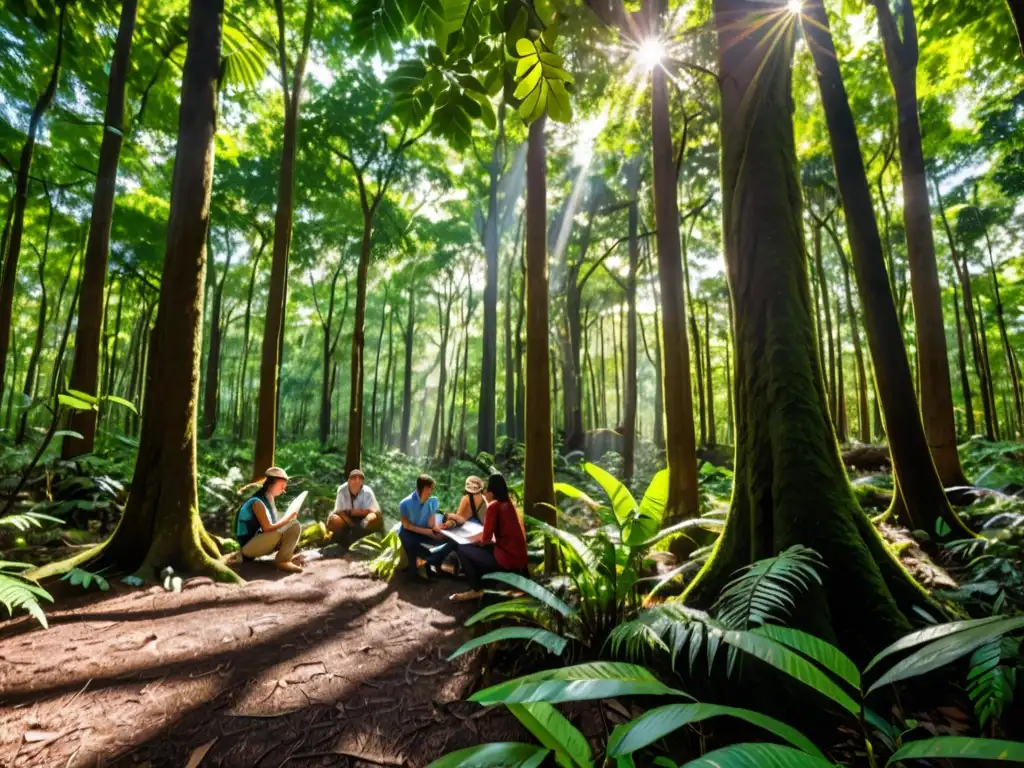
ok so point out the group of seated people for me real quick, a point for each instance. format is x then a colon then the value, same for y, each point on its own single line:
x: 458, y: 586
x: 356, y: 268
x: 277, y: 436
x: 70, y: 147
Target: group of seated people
x: 500, y: 546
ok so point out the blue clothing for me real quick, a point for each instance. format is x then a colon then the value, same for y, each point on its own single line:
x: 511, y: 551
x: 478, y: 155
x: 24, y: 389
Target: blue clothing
x: 246, y: 524
x: 421, y: 515
x: 416, y: 545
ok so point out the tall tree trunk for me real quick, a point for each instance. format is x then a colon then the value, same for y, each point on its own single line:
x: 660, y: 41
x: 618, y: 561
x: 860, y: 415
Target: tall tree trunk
x: 603, y: 399
x: 10, y: 263
x: 376, y: 365
x: 211, y: 392
x: 437, y: 428
x: 965, y: 382
x: 712, y: 430
x: 37, y: 344
x: 161, y: 525
x: 901, y: 55
x: 698, y: 360
x: 58, y: 362
x: 389, y: 392
x: 353, y: 448
x: 273, y: 329
x: 841, y: 425
x: 681, y: 448
x: 520, y: 378
x: 407, y: 374
x: 14, y: 379
x: 539, y: 490
x: 863, y: 419
x: 330, y: 343
x: 629, y: 425
x: 960, y: 265
x: 1011, y: 367
x: 915, y: 473
x: 510, y: 378
x: 986, y: 361
x: 246, y: 324
x: 791, y: 487
x: 85, y: 367
x: 819, y: 268
x: 615, y: 373
x: 489, y: 362
x: 730, y: 434
x: 554, y: 388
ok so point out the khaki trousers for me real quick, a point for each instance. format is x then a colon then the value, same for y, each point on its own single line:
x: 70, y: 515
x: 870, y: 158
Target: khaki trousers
x: 283, y: 540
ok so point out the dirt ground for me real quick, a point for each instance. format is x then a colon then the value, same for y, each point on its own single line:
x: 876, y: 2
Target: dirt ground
x: 325, y: 668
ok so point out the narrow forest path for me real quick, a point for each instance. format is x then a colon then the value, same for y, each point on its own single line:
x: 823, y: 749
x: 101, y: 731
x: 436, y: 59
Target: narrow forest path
x: 328, y: 667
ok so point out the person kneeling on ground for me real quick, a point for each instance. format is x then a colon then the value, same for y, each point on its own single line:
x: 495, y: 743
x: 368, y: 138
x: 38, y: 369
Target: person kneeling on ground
x: 355, y: 507
x: 508, y: 550
x: 420, y: 531
x: 259, y: 532
x: 472, y: 507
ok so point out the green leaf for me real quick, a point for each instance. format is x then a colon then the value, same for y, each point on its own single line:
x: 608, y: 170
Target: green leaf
x: 525, y: 47
x: 529, y: 82
x: 962, y: 747
x: 508, y: 754
x: 554, y: 731
x: 928, y: 634
x: 121, y: 401
x: 534, y: 590
x: 826, y: 654
x: 68, y: 433
x: 623, y: 503
x: 470, y: 83
x: 519, y: 608
x: 758, y: 756
x: 947, y: 649
x: 582, y: 682
x: 79, y: 395
x: 793, y: 664
x: 74, y: 403
x: 554, y: 643
x: 658, y: 723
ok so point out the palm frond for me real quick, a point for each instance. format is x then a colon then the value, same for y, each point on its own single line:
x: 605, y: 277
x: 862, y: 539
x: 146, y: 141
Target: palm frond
x: 672, y: 628
x: 20, y: 593
x: 22, y: 522
x: 766, y: 591
x: 990, y: 682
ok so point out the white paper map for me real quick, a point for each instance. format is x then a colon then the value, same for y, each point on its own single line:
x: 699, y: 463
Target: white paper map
x: 296, y: 505
x: 462, y: 533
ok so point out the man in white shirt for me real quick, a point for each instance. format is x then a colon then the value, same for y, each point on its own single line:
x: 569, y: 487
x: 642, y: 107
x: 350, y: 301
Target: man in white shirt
x: 355, y: 507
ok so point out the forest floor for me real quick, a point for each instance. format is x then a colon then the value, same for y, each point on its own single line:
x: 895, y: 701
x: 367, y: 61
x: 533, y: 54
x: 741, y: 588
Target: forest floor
x: 327, y: 667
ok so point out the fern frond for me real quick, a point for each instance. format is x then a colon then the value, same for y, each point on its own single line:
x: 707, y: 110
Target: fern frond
x: 20, y: 593
x: 765, y: 591
x: 672, y: 628
x: 26, y: 520
x: 990, y: 683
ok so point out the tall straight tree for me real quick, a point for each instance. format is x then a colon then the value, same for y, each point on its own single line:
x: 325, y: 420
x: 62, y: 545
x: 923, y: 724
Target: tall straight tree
x: 85, y: 367
x: 920, y: 488
x: 211, y: 387
x: 161, y: 525
x: 266, y: 429
x: 21, y: 184
x: 901, y: 56
x: 331, y: 334
x: 790, y: 484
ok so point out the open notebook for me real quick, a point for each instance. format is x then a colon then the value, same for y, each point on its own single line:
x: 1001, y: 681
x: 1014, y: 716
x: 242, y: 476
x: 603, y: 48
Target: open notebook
x: 296, y: 505
x: 462, y: 533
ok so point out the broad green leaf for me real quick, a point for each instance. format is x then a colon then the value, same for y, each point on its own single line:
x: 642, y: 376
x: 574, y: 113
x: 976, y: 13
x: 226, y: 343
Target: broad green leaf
x: 928, y: 634
x: 554, y: 643
x: 658, y: 723
x: 758, y: 756
x: 524, y: 65
x: 80, y: 395
x: 526, y: 608
x: 554, y: 731
x: 68, y: 433
x: 596, y: 680
x: 507, y: 754
x: 529, y: 82
x: 534, y: 590
x: 561, y: 111
x: 947, y: 649
x: 74, y: 403
x: 121, y: 401
x: 575, y: 493
x: 792, y: 663
x: 525, y: 47
x: 623, y: 503
x: 826, y: 654
x: 961, y: 747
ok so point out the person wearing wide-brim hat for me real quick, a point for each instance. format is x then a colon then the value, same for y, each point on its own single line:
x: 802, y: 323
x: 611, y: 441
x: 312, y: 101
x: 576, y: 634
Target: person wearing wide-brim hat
x: 472, y: 507
x: 259, y: 532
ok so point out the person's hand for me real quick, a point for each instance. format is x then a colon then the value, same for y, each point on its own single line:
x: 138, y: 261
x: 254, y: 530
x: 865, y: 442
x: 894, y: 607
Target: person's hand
x: 476, y: 539
x: 436, y: 534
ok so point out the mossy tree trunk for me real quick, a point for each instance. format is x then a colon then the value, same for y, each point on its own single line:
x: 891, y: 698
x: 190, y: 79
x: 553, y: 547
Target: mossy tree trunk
x: 161, y: 525
x: 790, y: 485
x: 921, y: 490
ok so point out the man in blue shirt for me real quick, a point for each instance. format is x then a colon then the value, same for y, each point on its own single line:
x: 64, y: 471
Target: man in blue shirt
x: 420, y: 529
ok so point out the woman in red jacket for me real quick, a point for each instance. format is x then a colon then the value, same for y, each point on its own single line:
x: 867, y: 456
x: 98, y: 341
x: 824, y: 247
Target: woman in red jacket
x: 502, y: 544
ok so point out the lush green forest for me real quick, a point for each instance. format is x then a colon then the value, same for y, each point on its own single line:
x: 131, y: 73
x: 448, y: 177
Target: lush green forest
x: 730, y: 291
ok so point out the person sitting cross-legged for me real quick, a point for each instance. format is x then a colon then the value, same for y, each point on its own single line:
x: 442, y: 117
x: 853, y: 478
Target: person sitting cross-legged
x: 501, y: 546
x: 420, y: 531
x: 472, y: 507
x: 355, y: 508
x: 259, y: 532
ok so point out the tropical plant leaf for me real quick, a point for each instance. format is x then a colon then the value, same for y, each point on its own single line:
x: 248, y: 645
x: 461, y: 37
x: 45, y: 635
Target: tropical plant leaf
x: 927, y: 635
x: 990, y: 683
x: 623, y: 503
x: 26, y: 520
x: 521, y: 607
x: 534, y: 590
x: 791, y: 663
x: 961, y: 747
x: 552, y: 642
x: 75, y: 403
x: 658, y: 723
x: 947, y: 649
x: 826, y: 654
x: 765, y: 591
x: 596, y: 680
x: 554, y: 731
x: 18, y: 592
x: 508, y: 754
x: 128, y: 403
x: 670, y: 627
x: 758, y: 756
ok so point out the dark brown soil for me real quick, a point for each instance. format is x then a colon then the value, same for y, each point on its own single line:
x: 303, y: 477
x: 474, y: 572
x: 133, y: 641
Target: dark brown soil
x: 328, y: 667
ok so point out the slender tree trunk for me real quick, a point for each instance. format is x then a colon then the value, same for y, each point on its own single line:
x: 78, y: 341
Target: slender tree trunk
x: 841, y: 425
x: 273, y: 329
x: 791, y: 486
x: 539, y: 490
x: 1011, y: 367
x: 863, y: 419
x: 37, y: 344
x: 10, y: 263
x: 986, y: 361
x: 901, y: 54
x: 246, y: 324
x: 14, y: 378
x: 629, y: 426
x: 819, y: 268
x: 554, y: 388
x: 915, y: 473
x: 353, y: 448
x: 389, y: 392
x: 510, y: 378
x: 615, y: 373
x: 161, y: 525
x: 681, y: 448
x: 330, y: 341
x: 58, y: 362
x: 730, y: 434
x: 520, y: 378
x: 211, y: 392
x: 437, y: 428
x: 85, y: 367
x: 712, y: 437
x: 589, y: 363
x: 1017, y: 12
x: 604, y: 374
x: 489, y: 362
x: 698, y: 360
x: 376, y: 366
x: 407, y: 374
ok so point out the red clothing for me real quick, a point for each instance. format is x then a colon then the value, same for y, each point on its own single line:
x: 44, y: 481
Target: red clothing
x: 502, y: 524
